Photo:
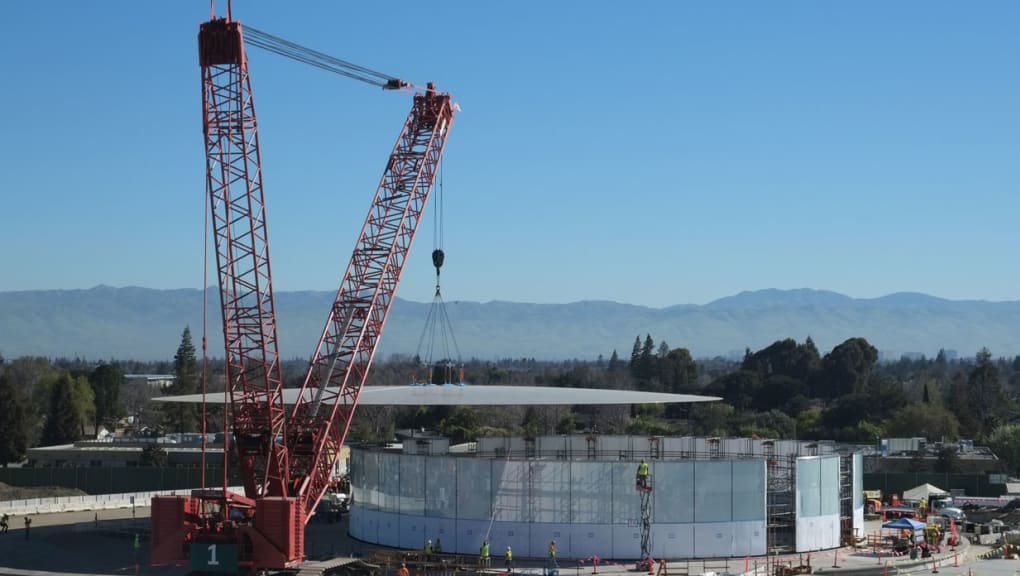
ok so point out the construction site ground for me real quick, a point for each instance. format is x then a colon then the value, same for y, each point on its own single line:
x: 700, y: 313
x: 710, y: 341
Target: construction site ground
x: 78, y: 542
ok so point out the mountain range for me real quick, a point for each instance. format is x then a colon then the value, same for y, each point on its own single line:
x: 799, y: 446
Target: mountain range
x: 146, y: 324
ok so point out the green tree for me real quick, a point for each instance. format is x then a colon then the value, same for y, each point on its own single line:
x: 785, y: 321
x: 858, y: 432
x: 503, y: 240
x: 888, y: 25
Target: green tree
x: 183, y: 417
x: 154, y: 456
x: 462, y: 425
x: 64, y: 420
x: 845, y: 370
x: 947, y: 461
x: 678, y: 371
x: 1005, y: 443
x: 13, y: 436
x: 614, y: 362
x: 932, y: 422
x: 987, y: 399
x: 712, y: 418
x: 106, y: 380
x: 567, y: 424
x: 958, y: 400
x: 737, y: 388
x: 84, y: 401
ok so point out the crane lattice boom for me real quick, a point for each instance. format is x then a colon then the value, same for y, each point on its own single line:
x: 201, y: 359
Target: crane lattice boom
x: 234, y: 176
x: 322, y: 416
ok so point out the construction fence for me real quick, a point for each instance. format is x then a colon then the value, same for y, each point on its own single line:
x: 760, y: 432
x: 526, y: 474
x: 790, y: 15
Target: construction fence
x: 102, y: 480
x: 900, y: 482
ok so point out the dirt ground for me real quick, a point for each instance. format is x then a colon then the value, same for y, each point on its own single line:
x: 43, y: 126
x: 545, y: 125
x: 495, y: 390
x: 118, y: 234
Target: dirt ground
x: 8, y: 492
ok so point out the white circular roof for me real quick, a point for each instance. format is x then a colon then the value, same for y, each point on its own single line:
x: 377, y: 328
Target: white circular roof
x: 470, y: 395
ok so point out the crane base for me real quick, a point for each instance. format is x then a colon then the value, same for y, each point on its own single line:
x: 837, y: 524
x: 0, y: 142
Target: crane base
x: 213, y: 531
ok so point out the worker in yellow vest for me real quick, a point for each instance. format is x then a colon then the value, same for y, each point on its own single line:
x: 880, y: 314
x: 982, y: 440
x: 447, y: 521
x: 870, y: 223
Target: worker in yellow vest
x: 642, y: 474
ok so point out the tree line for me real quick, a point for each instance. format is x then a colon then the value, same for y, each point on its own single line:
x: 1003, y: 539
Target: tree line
x: 785, y: 390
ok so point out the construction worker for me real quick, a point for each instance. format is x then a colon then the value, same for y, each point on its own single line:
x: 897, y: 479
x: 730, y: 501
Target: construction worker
x: 483, y: 554
x: 552, y: 554
x: 403, y: 571
x: 509, y: 559
x: 642, y: 474
x: 428, y: 550
x: 439, y: 546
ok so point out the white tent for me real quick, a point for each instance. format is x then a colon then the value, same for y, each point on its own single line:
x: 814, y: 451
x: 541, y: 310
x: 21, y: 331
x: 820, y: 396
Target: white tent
x: 923, y: 491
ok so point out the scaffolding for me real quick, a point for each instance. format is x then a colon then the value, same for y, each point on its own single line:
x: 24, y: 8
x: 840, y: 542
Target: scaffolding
x: 780, y: 504
x: 846, y: 498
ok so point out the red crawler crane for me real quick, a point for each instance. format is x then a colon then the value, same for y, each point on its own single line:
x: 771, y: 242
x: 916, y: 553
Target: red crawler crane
x: 286, y: 462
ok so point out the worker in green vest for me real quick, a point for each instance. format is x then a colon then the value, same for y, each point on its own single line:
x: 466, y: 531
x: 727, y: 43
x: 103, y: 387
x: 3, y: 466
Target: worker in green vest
x: 509, y: 560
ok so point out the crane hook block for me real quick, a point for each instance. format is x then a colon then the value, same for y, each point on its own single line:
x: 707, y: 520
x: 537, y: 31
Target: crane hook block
x: 437, y: 259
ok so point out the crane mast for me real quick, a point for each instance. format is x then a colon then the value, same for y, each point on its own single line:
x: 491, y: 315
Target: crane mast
x: 234, y: 184
x: 322, y: 415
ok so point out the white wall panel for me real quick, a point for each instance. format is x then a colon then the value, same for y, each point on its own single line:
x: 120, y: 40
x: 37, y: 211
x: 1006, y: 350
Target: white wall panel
x: 444, y: 530
x: 809, y: 495
x: 470, y: 535
x: 354, y: 523
x: 540, y: 536
x: 368, y: 496
x: 389, y: 481
x: 370, y: 526
x: 552, y: 446
x: 748, y: 490
x: 673, y: 492
x: 516, y: 534
x: 413, y: 533
x: 672, y: 540
x: 474, y: 489
x: 713, y: 491
x: 749, y: 538
x: 389, y: 529
x: 626, y: 503
x: 590, y: 540
x: 858, y: 464
x: 510, y: 491
x: 590, y: 493
x: 441, y: 487
x: 626, y: 542
x: 829, y: 489
x: 412, y: 485
x: 817, y: 533
x: 713, y: 540
x: 550, y: 491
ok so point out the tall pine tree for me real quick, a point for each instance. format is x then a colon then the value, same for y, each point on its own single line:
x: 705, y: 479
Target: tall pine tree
x: 183, y: 417
x: 13, y: 440
x: 64, y: 419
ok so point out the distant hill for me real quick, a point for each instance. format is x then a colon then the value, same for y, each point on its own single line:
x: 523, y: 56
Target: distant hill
x: 146, y: 324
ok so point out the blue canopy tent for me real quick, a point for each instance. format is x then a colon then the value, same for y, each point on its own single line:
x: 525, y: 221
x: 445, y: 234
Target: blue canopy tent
x: 901, y: 523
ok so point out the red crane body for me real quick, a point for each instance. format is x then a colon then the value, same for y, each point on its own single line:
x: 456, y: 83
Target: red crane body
x: 285, y: 462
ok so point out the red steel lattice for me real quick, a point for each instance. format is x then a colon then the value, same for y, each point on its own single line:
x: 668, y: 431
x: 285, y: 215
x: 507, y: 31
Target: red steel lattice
x: 322, y: 416
x: 234, y: 176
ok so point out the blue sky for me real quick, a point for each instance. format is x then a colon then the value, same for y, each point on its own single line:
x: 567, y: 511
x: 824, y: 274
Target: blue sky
x: 654, y: 153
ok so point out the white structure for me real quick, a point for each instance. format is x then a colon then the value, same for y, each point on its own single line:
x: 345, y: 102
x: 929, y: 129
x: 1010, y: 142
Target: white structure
x: 711, y: 498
